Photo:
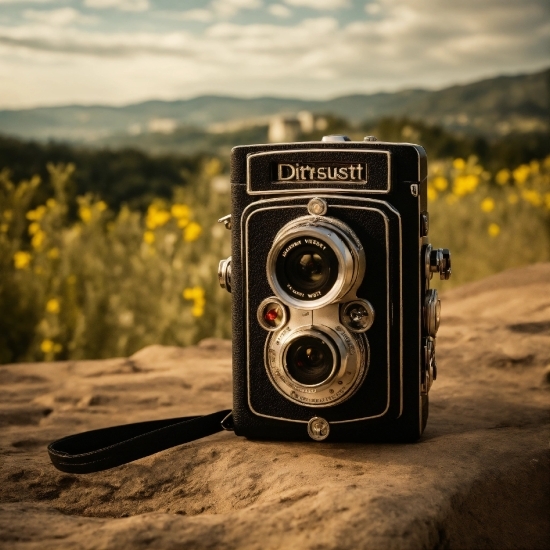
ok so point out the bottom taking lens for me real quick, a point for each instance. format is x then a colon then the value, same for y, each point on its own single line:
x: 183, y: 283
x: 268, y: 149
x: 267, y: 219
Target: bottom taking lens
x: 310, y: 360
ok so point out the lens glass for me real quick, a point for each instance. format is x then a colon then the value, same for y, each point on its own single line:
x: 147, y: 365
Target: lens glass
x: 310, y: 360
x: 306, y: 268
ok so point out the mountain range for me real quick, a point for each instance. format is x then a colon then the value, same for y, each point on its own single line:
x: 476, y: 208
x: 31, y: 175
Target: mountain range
x: 489, y: 108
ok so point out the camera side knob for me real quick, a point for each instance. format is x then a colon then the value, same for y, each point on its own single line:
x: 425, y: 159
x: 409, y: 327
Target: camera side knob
x: 438, y: 261
x: 224, y: 274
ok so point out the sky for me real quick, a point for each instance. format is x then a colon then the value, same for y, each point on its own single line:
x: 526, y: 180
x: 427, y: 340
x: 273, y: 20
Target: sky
x: 56, y: 52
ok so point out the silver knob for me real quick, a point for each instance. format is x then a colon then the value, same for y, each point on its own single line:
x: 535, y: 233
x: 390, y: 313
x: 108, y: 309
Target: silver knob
x: 370, y: 138
x: 336, y: 137
x: 226, y: 220
x: 437, y: 261
x: 224, y: 274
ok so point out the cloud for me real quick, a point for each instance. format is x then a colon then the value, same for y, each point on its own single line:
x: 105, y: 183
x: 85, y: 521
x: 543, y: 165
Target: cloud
x: 421, y: 43
x: 122, y: 5
x: 228, y: 8
x: 319, y: 4
x: 278, y: 10
x: 58, y: 18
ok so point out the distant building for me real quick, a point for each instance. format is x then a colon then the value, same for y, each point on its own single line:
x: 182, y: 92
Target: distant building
x: 162, y: 125
x: 286, y: 128
x: 283, y: 129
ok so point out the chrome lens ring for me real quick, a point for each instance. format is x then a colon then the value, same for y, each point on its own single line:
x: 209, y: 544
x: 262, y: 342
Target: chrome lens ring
x: 327, y: 240
x: 350, y: 354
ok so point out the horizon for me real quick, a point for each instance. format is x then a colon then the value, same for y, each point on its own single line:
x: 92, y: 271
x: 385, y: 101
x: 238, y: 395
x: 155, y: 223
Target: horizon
x: 278, y: 97
x: 123, y: 52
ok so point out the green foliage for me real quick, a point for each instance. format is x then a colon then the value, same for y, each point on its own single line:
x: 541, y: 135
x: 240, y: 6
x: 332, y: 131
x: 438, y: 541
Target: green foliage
x: 126, y: 176
x: 81, y: 280
x: 108, y: 284
x: 490, y: 222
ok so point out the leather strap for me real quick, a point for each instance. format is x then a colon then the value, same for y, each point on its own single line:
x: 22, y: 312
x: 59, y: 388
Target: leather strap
x: 98, y: 450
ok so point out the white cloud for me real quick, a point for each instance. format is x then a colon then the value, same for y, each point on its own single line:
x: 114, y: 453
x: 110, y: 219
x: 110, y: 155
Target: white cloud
x: 373, y: 8
x: 421, y: 43
x: 228, y: 8
x: 319, y: 4
x: 58, y: 18
x: 278, y: 10
x: 122, y: 5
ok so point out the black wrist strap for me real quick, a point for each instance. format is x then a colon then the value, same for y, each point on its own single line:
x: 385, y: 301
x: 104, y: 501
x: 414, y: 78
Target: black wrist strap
x: 98, y: 450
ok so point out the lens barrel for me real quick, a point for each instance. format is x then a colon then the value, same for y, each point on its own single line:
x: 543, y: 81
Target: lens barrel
x: 314, y: 261
x: 317, y: 366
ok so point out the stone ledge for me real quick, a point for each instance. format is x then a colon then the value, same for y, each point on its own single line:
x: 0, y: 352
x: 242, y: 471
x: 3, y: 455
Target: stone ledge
x: 479, y: 478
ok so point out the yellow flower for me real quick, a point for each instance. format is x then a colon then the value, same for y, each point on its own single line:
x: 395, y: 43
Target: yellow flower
x: 534, y: 197
x: 432, y: 193
x: 4, y: 227
x: 156, y: 217
x: 101, y: 206
x: 85, y: 213
x: 192, y: 232
x: 38, y: 239
x: 34, y: 227
x: 51, y: 203
x: 47, y: 346
x: 52, y: 306
x: 21, y: 260
x: 521, y: 173
x: 36, y: 215
x: 149, y: 237
x: 513, y: 198
x: 488, y: 204
x: 183, y: 222
x: 502, y: 177
x: 493, y: 230
x: 463, y: 185
x: 180, y: 211
x: 440, y: 183
x: 53, y: 253
x: 459, y: 164
x: 7, y: 215
x: 197, y: 295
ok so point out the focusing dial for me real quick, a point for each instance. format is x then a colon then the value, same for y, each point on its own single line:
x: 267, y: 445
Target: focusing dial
x: 438, y: 261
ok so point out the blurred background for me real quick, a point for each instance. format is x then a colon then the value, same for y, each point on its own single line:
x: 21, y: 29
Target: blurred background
x: 117, y: 118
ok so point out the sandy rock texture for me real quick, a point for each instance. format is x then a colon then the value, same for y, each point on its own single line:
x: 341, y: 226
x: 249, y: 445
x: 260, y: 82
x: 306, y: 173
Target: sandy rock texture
x: 479, y: 478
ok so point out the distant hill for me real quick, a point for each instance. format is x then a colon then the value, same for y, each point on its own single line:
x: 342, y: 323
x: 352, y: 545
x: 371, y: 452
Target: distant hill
x: 490, y: 108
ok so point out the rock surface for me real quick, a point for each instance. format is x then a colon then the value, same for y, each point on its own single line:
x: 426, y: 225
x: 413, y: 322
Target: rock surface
x: 479, y: 478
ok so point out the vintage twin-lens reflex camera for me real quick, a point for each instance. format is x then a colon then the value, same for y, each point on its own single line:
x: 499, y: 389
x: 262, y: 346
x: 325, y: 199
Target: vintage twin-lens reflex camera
x: 334, y: 321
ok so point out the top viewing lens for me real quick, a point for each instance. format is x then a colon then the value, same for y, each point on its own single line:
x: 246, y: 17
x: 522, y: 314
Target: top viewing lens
x: 306, y: 268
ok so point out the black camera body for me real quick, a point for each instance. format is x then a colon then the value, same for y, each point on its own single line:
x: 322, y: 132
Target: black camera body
x: 333, y: 320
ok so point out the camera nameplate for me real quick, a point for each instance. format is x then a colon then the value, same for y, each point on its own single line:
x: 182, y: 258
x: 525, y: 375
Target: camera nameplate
x: 375, y: 166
